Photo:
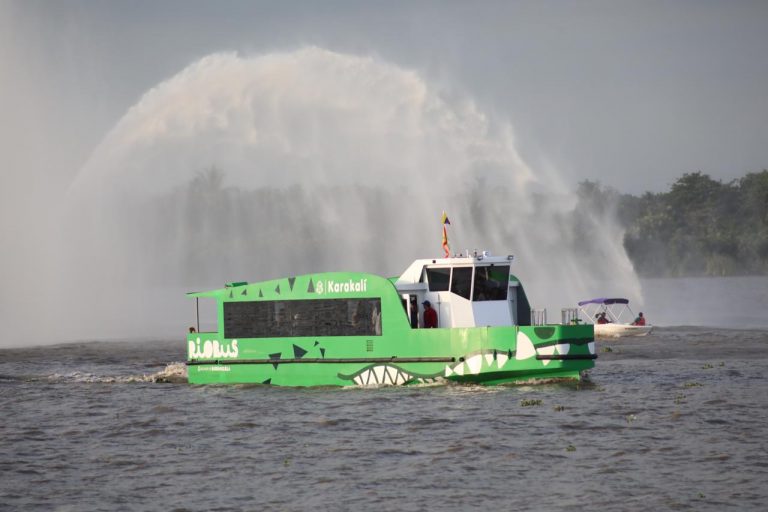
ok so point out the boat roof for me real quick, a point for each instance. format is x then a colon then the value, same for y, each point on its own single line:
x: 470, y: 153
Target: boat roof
x: 604, y: 301
x: 412, y: 274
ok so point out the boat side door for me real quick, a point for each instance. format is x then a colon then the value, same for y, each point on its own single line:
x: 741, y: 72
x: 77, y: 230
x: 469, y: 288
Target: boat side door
x: 512, y: 298
x: 411, y: 306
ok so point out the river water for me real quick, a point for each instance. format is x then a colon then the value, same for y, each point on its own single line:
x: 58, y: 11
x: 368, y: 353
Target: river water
x: 675, y: 421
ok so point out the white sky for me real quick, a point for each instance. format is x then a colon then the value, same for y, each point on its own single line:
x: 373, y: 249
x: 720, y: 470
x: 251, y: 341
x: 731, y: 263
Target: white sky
x: 632, y: 94
x: 629, y: 93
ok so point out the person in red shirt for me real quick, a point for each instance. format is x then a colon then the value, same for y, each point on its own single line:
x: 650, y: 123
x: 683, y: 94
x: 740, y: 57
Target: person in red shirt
x: 430, y: 315
x: 640, y: 320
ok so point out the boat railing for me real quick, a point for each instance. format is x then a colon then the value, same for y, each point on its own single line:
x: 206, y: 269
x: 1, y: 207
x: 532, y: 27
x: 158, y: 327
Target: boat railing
x: 539, y: 316
x: 570, y: 316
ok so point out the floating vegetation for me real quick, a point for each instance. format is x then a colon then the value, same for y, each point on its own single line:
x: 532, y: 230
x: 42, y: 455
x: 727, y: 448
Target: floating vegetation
x: 570, y: 448
x: 707, y: 366
x: 679, y: 398
x: 692, y: 384
x: 558, y: 408
x: 606, y: 349
x: 630, y: 418
x: 529, y: 403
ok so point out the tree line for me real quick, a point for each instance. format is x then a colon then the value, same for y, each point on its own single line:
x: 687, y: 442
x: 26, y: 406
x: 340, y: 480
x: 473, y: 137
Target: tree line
x: 700, y: 227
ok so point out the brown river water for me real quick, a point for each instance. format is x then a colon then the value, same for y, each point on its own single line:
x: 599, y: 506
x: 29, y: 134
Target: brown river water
x: 674, y: 421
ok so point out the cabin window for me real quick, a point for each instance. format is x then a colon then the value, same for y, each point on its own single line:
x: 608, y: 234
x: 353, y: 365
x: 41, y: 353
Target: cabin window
x: 491, y: 283
x: 461, y: 281
x: 291, y: 318
x: 438, y: 279
x: 206, y: 315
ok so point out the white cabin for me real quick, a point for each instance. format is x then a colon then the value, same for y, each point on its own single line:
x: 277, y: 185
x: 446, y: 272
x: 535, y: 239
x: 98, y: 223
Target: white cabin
x: 474, y: 291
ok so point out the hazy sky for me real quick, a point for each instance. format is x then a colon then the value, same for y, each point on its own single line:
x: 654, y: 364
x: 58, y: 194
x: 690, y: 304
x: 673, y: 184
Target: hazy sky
x: 632, y: 94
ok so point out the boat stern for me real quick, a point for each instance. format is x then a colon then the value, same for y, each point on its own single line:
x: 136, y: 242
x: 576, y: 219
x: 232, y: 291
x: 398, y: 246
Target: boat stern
x: 528, y: 353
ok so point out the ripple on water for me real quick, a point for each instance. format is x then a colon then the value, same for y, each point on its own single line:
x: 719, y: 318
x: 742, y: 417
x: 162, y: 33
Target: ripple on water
x: 656, y: 428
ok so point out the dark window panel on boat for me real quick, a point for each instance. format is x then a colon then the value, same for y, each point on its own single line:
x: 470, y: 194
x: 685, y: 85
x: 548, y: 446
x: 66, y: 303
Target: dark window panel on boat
x: 461, y: 281
x: 438, y: 278
x: 491, y: 283
x: 523, y: 307
x: 291, y: 318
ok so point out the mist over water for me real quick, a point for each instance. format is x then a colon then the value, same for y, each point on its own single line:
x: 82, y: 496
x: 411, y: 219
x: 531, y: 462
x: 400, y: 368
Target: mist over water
x: 250, y: 168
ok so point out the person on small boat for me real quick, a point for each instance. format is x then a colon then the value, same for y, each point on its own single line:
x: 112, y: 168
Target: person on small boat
x: 640, y: 320
x: 601, y: 319
x: 430, y: 315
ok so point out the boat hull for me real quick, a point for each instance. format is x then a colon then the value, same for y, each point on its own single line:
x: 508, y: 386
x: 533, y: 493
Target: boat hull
x: 481, y: 355
x: 613, y: 330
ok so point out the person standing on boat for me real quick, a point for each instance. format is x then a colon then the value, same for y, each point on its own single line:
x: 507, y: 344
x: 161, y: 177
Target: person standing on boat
x: 601, y: 318
x: 640, y: 320
x: 414, y: 313
x: 430, y: 315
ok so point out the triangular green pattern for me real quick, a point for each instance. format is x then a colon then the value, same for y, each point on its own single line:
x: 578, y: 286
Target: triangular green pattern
x: 277, y: 290
x: 291, y: 280
x: 311, y: 287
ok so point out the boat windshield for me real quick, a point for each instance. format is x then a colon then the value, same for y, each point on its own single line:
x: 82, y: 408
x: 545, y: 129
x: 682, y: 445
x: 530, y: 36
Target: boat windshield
x: 491, y: 283
x: 438, y: 279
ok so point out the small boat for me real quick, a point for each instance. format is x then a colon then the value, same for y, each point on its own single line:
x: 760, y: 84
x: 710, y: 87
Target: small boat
x: 359, y: 329
x: 615, y: 311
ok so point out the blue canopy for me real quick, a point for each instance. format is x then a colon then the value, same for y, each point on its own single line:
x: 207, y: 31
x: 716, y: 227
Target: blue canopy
x: 604, y: 301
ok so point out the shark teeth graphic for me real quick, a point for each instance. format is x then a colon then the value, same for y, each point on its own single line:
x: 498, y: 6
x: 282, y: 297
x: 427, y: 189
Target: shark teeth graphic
x: 525, y: 348
x: 382, y: 375
x: 560, y: 348
x: 484, y: 361
x: 546, y: 351
x: 474, y: 363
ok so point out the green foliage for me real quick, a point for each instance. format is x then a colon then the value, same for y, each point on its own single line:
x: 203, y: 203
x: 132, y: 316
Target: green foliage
x: 701, y: 227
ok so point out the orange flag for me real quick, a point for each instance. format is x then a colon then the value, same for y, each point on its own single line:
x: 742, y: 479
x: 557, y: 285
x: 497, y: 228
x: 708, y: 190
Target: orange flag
x: 446, y: 247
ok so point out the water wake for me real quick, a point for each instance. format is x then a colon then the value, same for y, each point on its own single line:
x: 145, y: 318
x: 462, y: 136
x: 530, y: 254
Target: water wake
x: 175, y: 373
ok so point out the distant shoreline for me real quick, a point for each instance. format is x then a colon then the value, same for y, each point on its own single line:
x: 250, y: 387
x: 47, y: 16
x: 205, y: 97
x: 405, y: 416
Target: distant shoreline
x: 700, y: 227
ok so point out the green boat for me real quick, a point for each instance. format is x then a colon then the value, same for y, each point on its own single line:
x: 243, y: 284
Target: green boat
x: 358, y: 329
